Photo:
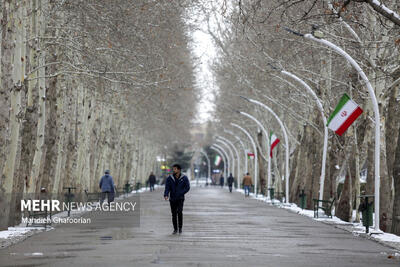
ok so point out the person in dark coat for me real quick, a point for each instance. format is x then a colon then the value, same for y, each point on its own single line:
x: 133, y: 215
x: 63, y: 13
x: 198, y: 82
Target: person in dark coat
x: 107, y: 187
x: 176, y: 186
x: 221, y: 181
x: 230, y: 182
x: 152, y: 181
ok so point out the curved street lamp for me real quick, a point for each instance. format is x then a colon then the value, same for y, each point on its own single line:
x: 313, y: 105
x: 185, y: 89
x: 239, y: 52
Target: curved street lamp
x: 243, y: 147
x: 268, y: 147
x: 221, y: 155
x: 232, y: 167
x: 226, y: 155
x: 255, y: 155
x: 286, y: 140
x: 208, y: 164
x: 321, y: 109
x: 237, y: 156
x: 374, y: 103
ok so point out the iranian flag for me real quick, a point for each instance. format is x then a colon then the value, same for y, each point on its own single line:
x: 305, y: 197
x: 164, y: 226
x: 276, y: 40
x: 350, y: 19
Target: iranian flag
x: 250, y: 155
x: 217, y: 160
x: 345, y: 113
x: 273, y: 140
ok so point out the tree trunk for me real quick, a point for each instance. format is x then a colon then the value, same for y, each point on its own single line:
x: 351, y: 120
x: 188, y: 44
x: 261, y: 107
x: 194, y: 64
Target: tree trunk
x: 344, y: 209
x: 396, y: 177
x: 33, y: 184
x: 262, y: 182
x: 13, y: 50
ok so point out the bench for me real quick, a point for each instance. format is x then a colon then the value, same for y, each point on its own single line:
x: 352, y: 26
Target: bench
x: 92, y: 197
x: 43, y: 215
x: 327, y: 208
x: 138, y: 186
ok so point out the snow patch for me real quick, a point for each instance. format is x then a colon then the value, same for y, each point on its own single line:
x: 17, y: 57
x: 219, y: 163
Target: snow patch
x: 356, y: 229
x: 17, y: 231
x: 9, y: 236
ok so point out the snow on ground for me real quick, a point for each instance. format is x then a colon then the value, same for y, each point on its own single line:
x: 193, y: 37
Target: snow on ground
x: 356, y: 229
x: 17, y: 231
x: 20, y: 232
x: 389, y: 237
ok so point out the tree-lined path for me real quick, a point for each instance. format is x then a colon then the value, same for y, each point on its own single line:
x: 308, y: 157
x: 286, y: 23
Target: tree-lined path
x: 220, y: 229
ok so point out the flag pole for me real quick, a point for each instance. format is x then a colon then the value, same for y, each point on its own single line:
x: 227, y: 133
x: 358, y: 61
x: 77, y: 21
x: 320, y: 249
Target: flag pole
x: 374, y: 103
x: 255, y: 155
x: 268, y: 147
x: 208, y: 164
x: 325, y: 147
x: 237, y: 156
x: 226, y: 156
x: 222, y: 156
x: 232, y: 167
x: 244, y: 149
x: 286, y: 141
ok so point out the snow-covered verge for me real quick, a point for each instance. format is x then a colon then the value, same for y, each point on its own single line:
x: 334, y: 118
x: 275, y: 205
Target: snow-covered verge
x: 357, y: 229
x: 20, y: 232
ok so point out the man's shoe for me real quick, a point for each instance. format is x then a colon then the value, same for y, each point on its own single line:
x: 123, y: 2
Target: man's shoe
x: 180, y: 231
x: 175, y: 232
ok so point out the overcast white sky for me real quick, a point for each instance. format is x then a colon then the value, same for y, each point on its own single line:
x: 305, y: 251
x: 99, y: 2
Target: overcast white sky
x: 204, y: 49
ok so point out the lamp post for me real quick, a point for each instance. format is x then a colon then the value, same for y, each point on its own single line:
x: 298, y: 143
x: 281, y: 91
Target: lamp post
x: 208, y: 164
x: 286, y: 141
x: 232, y: 167
x: 325, y: 147
x: 317, y: 37
x: 255, y: 154
x: 237, y: 156
x: 221, y: 155
x: 268, y: 147
x: 226, y: 157
x: 243, y: 147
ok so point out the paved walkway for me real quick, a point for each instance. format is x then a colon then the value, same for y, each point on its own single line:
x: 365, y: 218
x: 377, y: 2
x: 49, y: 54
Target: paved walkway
x: 220, y: 229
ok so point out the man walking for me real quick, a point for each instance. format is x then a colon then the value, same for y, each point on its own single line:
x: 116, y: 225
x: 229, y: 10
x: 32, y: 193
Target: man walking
x: 176, y: 186
x: 230, y: 182
x: 221, y: 181
x: 152, y: 181
x: 107, y: 187
x: 247, y: 182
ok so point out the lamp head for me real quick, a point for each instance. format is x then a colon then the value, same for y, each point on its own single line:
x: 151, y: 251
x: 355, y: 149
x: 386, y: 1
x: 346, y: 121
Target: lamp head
x: 317, y: 33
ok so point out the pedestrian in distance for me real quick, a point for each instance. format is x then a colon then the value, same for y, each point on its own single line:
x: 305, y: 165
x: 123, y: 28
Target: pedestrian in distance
x: 247, y: 183
x: 107, y: 187
x: 230, y: 182
x: 152, y: 181
x: 221, y: 181
x: 176, y: 186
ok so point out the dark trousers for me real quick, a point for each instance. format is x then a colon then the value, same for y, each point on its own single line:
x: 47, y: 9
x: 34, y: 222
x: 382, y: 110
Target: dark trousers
x: 151, y: 187
x: 110, y: 196
x: 176, y: 210
x: 230, y: 188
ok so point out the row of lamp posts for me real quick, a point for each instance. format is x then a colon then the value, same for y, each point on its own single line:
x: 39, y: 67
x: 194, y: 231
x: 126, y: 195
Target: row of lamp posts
x: 229, y: 159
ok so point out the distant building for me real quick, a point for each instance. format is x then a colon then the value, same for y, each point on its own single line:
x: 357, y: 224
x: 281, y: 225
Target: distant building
x: 199, y: 133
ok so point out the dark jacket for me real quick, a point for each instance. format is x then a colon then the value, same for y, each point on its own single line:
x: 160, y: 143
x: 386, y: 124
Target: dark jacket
x: 230, y: 180
x: 176, y: 188
x: 152, y: 179
x: 107, y: 183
